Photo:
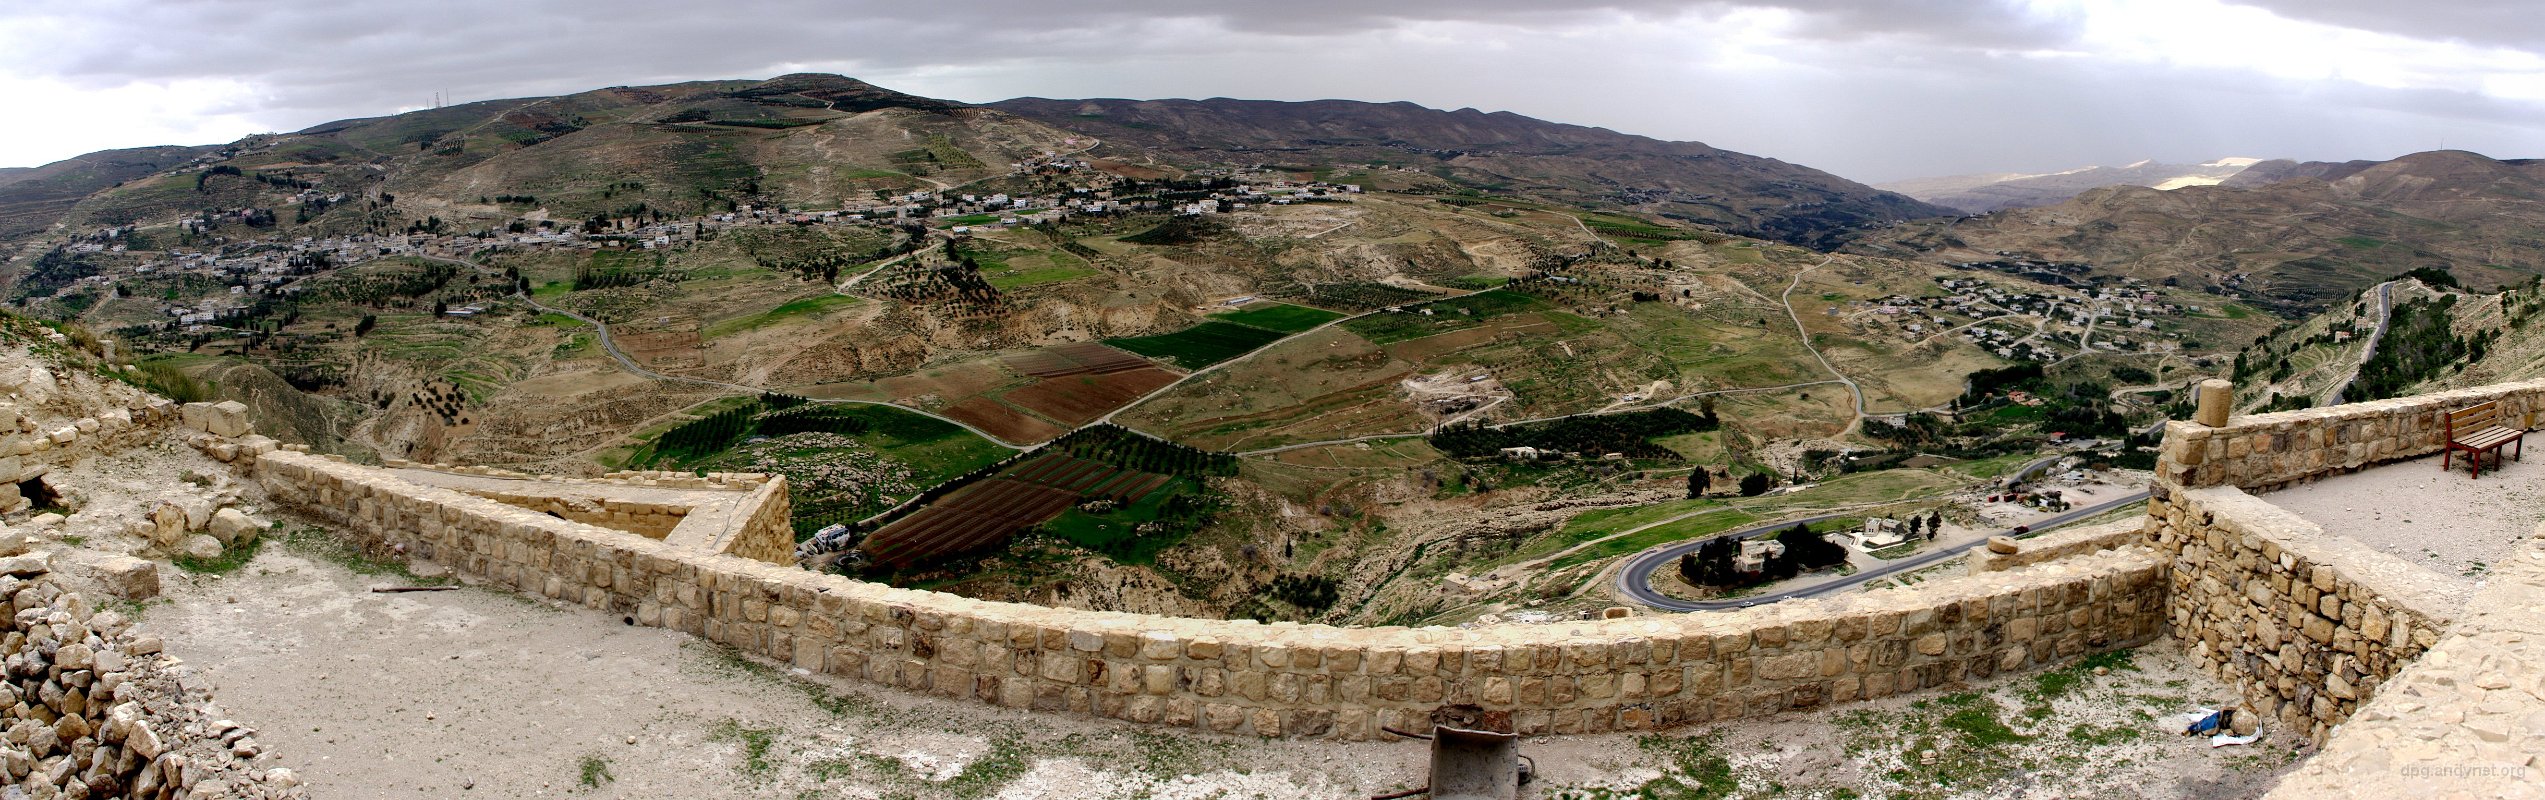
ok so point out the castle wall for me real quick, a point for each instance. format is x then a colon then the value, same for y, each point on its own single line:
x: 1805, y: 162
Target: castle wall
x: 2467, y: 719
x: 1273, y: 680
x: 2305, y: 624
x: 2266, y: 451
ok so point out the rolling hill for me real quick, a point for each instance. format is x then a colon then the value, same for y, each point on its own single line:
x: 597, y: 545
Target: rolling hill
x: 1983, y: 193
x: 2294, y: 244
x: 1498, y: 151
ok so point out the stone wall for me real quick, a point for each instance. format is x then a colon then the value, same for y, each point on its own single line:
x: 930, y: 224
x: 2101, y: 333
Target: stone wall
x: 2266, y: 451
x: 1273, y: 680
x: 2057, y: 545
x: 2467, y: 719
x: 2305, y: 624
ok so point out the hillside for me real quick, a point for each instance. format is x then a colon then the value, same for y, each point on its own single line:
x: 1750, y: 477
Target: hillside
x: 1983, y: 193
x: 1498, y: 151
x: 2437, y: 336
x: 2295, y: 245
x: 33, y: 198
x: 1036, y: 364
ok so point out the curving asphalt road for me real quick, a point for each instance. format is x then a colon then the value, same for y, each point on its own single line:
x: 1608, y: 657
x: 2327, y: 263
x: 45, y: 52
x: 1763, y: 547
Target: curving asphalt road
x: 2385, y: 307
x: 1634, y: 580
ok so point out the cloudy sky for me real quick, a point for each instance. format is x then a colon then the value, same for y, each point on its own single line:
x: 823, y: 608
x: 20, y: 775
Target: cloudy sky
x: 1870, y: 89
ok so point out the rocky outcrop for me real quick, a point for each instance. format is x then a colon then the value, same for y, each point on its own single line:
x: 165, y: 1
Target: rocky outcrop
x: 94, y: 710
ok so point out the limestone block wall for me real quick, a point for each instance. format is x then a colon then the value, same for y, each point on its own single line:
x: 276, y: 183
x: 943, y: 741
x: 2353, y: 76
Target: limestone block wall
x: 2269, y: 450
x: 2465, y: 720
x: 2058, y: 545
x: 762, y: 527
x: 31, y: 444
x: 1271, y: 680
x: 2305, y: 624
x: 650, y: 520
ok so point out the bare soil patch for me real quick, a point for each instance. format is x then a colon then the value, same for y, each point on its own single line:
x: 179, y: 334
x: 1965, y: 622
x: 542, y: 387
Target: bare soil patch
x: 1080, y: 399
x: 1001, y: 421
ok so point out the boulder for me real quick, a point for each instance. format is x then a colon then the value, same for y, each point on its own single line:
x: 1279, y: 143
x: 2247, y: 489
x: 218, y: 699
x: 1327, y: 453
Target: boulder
x: 168, y: 523
x: 2004, y: 545
x: 12, y: 542
x: 28, y: 564
x: 201, y: 546
x: 127, y: 577
x: 227, y: 418
x: 234, y: 527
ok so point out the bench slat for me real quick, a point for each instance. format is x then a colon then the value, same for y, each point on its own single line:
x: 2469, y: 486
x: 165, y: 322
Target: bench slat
x: 2489, y: 437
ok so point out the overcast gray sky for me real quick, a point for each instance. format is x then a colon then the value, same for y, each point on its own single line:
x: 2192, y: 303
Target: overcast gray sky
x: 1870, y: 89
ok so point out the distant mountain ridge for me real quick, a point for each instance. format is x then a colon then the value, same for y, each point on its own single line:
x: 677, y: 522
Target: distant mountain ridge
x: 2307, y: 234
x: 1986, y: 192
x: 1740, y: 193
x: 814, y: 138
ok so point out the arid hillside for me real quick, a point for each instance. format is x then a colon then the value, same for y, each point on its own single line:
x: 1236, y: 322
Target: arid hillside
x: 2297, y: 244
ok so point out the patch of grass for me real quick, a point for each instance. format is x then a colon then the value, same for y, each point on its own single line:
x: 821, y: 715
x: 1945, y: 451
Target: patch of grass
x: 1279, y: 317
x: 1457, y: 313
x: 317, y: 543
x: 1201, y: 345
x: 593, y: 771
x: 756, y: 744
x: 1976, y: 718
x: 801, y: 307
x: 1003, y: 764
x: 1035, y: 276
x: 230, y: 560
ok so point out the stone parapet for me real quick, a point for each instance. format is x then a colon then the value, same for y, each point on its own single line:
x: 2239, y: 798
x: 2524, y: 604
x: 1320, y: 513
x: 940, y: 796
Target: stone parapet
x: 1280, y: 679
x: 2467, y: 720
x: 2305, y: 624
x: 2269, y: 450
x: 2060, y: 544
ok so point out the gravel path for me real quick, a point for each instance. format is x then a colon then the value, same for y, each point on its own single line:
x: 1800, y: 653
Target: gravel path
x: 2455, y: 525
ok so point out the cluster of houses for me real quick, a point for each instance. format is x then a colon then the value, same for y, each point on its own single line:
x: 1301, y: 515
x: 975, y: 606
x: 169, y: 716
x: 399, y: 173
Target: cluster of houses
x: 2123, y: 317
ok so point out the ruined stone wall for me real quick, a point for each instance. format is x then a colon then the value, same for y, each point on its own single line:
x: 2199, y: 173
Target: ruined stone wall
x: 2057, y: 545
x: 1272, y: 680
x: 650, y: 520
x: 2467, y: 719
x: 2305, y: 624
x: 2265, y: 451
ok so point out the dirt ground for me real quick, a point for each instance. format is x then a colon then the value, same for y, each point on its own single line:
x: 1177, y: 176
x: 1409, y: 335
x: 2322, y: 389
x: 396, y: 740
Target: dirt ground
x: 474, y: 692
x: 2455, y: 525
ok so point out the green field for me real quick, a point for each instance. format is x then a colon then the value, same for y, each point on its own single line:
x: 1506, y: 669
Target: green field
x: 1116, y: 532
x: 1457, y: 313
x: 1282, y: 317
x: 1201, y: 345
x: 809, y: 306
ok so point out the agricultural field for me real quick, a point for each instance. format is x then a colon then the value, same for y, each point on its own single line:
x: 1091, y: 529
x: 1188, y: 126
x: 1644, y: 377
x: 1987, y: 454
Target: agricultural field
x: 1201, y: 345
x: 1282, y: 317
x: 988, y: 513
x: 1080, y: 399
x: 1449, y: 315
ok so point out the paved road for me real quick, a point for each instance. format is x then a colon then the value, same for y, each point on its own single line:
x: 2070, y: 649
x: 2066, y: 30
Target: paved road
x: 2385, y: 296
x: 1634, y: 580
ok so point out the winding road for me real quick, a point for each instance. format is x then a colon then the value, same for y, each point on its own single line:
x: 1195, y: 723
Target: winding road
x: 2385, y: 305
x: 1634, y: 578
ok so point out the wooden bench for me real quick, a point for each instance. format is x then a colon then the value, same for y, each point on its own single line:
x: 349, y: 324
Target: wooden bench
x: 2476, y: 430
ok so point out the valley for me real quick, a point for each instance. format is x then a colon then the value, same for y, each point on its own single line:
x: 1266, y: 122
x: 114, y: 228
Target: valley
x: 1024, y: 355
